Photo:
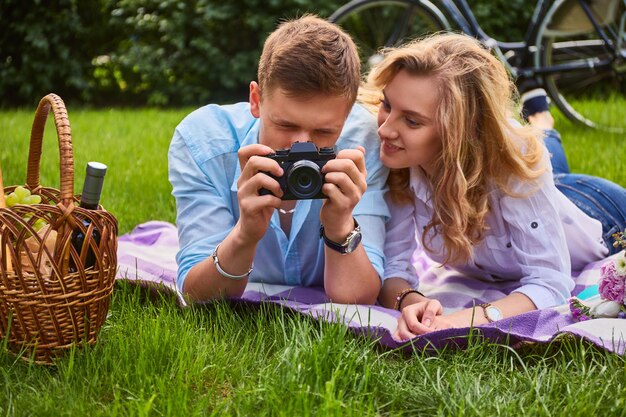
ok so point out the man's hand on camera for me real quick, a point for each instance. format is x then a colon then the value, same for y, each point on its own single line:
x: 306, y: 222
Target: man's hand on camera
x: 345, y: 183
x: 256, y: 210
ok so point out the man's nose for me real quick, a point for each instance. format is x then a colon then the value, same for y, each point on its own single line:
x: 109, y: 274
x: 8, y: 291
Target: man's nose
x: 301, y: 136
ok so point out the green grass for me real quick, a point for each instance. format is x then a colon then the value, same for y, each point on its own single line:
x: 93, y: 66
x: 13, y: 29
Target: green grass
x: 153, y: 358
x: 133, y: 143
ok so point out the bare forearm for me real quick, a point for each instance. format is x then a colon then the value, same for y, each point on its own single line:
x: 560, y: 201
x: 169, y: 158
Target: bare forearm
x: 204, y: 282
x: 350, y: 279
x: 511, y: 305
x: 392, y: 288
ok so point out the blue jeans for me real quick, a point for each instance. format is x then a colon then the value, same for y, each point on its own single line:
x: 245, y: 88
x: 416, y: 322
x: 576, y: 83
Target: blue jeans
x: 598, y: 198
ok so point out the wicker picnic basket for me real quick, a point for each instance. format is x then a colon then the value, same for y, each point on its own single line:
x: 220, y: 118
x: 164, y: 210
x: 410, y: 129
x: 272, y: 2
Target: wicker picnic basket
x: 49, y: 302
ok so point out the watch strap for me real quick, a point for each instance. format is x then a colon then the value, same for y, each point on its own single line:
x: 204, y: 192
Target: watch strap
x: 340, y: 247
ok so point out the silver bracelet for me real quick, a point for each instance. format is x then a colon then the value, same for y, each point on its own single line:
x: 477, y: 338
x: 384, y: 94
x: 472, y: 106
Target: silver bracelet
x: 224, y: 273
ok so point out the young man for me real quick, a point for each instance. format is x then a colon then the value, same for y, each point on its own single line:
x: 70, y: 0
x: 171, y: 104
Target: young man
x: 229, y: 231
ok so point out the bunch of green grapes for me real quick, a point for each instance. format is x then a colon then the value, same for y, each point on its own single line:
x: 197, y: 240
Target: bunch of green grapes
x: 22, y: 195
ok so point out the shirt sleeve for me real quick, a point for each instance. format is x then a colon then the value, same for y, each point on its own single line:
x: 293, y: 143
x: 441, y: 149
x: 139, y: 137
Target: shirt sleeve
x: 204, y: 216
x: 539, y: 243
x: 371, y: 212
x: 401, y: 243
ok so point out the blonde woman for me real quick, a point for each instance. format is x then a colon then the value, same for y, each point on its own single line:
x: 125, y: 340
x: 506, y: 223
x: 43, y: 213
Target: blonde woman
x: 473, y: 185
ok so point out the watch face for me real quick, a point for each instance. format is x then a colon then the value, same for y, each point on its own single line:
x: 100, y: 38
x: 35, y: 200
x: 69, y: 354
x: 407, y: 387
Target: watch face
x: 354, y: 242
x: 493, y: 313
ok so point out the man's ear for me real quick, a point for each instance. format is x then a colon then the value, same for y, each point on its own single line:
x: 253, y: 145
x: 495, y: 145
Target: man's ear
x: 255, y: 99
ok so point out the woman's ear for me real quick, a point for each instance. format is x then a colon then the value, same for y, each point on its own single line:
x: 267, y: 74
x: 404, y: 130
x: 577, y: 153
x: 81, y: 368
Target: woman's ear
x: 255, y: 99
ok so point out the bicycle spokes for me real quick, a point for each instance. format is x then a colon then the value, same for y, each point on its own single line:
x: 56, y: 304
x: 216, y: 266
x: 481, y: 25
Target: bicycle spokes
x: 376, y: 24
x: 583, y: 62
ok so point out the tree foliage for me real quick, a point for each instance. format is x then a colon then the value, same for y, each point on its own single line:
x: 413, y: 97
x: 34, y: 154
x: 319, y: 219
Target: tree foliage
x: 160, y: 52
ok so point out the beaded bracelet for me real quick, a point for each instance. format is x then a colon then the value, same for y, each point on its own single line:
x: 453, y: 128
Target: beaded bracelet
x: 224, y: 273
x: 403, y: 294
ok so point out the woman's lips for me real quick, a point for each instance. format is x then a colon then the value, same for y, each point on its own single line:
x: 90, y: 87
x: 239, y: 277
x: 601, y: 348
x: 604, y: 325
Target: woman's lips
x: 389, y: 148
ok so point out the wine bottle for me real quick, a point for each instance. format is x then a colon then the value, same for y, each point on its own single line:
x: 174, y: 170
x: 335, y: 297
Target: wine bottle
x: 90, y: 199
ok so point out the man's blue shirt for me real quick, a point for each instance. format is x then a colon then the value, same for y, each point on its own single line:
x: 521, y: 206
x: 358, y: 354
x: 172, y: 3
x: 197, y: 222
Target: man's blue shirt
x: 204, y: 169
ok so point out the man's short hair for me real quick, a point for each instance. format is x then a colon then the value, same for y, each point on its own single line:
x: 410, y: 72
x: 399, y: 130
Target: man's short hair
x: 307, y: 56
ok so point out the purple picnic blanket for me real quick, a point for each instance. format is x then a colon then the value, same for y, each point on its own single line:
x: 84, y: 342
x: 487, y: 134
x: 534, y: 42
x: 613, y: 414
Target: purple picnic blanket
x: 147, y: 256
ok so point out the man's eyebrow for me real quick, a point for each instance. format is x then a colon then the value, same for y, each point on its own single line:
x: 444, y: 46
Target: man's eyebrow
x: 327, y: 130
x: 411, y: 113
x: 279, y: 121
x: 286, y: 123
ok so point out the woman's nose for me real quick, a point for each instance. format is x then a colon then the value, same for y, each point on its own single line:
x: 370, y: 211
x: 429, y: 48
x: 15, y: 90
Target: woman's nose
x: 386, y: 129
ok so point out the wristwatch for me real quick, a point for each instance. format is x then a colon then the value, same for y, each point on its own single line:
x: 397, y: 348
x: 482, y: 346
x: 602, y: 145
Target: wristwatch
x: 349, y: 245
x: 492, y: 313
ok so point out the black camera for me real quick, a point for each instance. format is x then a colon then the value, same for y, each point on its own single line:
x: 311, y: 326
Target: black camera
x: 302, y: 177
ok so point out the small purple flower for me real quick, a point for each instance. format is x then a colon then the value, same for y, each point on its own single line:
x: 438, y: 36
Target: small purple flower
x: 580, y: 312
x: 621, y: 315
x: 611, y: 284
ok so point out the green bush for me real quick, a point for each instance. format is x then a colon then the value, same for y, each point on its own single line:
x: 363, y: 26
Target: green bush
x: 48, y: 46
x: 505, y: 20
x: 189, y: 52
x: 160, y: 52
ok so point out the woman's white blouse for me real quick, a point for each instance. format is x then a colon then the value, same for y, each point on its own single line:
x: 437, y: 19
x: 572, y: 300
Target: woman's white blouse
x: 536, y: 240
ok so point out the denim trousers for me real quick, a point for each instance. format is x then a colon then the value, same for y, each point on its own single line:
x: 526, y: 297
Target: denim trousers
x: 597, y: 197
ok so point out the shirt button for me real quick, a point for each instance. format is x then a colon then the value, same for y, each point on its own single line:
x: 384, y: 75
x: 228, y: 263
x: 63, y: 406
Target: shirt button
x: 534, y: 225
x: 508, y: 245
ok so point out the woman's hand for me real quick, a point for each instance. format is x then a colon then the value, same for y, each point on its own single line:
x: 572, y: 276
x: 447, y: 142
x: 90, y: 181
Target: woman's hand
x: 417, y: 319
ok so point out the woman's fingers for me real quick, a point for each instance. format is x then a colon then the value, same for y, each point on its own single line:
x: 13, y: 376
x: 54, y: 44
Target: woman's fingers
x: 402, y: 333
x: 412, y: 316
x: 432, y: 309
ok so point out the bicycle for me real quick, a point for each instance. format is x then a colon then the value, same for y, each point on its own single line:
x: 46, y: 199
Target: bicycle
x: 575, y: 49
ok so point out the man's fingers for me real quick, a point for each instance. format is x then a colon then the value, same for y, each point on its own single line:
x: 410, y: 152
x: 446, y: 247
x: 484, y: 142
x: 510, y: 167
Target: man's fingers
x: 246, y: 152
x: 249, y: 151
x: 258, y: 164
x: 355, y: 155
x: 350, y: 165
x: 349, y: 169
x: 260, y: 181
x: 256, y: 204
x: 342, y: 181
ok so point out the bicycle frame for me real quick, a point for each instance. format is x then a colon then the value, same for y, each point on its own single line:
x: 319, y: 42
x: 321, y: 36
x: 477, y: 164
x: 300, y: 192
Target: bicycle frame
x: 520, y: 57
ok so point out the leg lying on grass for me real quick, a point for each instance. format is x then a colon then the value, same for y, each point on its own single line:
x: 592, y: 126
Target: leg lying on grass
x: 599, y: 198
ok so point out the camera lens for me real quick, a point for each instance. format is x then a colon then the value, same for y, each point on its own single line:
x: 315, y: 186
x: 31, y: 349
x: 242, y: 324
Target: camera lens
x: 304, y: 179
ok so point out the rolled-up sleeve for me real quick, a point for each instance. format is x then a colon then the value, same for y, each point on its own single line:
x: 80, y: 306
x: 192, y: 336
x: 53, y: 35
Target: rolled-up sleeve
x: 401, y: 243
x: 204, y: 217
x: 539, y: 244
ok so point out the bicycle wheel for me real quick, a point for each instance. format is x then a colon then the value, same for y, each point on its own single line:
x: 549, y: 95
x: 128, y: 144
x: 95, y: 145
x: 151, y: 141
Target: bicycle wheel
x: 374, y: 24
x: 590, y: 85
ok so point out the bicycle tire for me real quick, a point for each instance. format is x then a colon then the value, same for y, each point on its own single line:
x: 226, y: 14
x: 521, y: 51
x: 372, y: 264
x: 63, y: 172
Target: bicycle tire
x: 376, y: 24
x: 595, y: 97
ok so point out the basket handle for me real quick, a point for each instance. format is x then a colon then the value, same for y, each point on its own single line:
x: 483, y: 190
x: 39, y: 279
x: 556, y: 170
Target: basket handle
x: 66, y: 156
x: 3, y: 203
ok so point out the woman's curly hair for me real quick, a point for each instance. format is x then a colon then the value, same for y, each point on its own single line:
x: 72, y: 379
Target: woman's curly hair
x: 482, y: 146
